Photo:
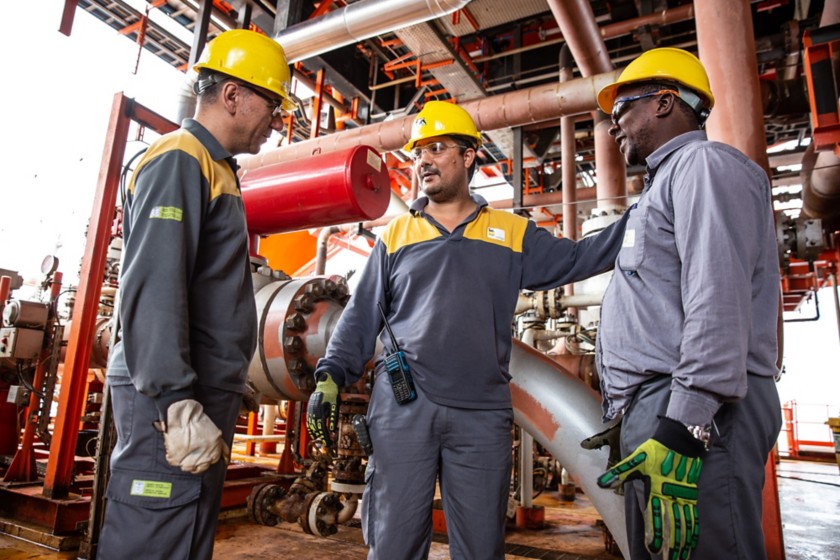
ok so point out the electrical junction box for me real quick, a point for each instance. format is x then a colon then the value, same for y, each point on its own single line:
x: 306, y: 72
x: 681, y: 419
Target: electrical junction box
x: 20, y: 343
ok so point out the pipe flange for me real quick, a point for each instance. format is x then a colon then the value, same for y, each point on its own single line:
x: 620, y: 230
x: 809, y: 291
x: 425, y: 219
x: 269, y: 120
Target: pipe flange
x: 262, y: 503
x: 321, y: 516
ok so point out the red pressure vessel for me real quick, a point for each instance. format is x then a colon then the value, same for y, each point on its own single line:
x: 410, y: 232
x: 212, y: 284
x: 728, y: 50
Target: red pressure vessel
x: 323, y: 190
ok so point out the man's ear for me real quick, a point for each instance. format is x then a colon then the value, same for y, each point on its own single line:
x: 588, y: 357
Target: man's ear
x: 230, y: 96
x: 666, y: 104
x: 469, y: 157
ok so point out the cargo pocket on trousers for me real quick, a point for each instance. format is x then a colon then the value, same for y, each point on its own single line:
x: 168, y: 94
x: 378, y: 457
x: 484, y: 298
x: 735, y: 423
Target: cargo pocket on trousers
x: 165, y: 505
x: 368, y: 506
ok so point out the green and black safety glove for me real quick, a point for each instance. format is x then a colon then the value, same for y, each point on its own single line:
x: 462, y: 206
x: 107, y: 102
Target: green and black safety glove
x: 670, y: 464
x: 322, y: 412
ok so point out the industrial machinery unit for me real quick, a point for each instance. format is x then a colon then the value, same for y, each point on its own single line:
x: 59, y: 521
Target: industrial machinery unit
x: 527, y: 71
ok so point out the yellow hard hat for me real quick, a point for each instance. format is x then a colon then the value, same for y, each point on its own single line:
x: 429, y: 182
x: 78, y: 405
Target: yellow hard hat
x: 441, y: 118
x: 251, y: 57
x: 665, y: 64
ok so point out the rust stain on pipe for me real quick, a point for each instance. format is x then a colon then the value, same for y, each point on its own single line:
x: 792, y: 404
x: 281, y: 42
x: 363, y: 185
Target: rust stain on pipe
x: 535, y: 411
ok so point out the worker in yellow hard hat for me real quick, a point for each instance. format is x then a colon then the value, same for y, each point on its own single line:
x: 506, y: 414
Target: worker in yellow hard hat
x: 446, y: 277
x: 187, y: 311
x: 687, y: 340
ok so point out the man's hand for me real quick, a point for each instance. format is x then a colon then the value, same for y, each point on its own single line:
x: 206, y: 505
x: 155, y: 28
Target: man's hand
x: 670, y: 463
x: 192, y: 440
x: 322, y: 412
x: 611, y: 437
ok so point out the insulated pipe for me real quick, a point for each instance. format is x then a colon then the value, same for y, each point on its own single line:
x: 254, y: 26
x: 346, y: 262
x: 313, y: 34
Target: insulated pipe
x: 557, y: 409
x: 359, y: 21
x: 338, y: 28
x: 583, y: 37
x: 726, y: 44
x: 517, y: 108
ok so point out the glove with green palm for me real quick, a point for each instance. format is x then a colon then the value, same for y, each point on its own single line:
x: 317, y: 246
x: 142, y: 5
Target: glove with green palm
x: 670, y: 464
x: 322, y: 412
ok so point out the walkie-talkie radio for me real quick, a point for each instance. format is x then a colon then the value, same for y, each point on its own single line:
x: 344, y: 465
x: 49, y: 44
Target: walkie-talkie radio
x: 397, y: 368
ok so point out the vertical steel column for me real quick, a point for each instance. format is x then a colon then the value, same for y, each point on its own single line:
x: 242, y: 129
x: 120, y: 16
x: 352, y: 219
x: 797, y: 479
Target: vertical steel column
x: 569, y: 170
x: 83, y: 325
x: 317, y: 101
x: 516, y: 172
x: 205, y: 10
x: 726, y: 44
x: 832, y: 278
x: 67, y: 17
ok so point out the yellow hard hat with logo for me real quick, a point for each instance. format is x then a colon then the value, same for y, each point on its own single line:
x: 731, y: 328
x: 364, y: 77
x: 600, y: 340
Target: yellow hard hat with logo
x: 668, y: 65
x: 441, y: 118
x: 251, y: 57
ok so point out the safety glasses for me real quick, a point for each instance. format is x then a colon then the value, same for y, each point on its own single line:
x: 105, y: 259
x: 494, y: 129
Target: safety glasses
x: 434, y: 149
x: 276, y: 105
x: 621, y: 105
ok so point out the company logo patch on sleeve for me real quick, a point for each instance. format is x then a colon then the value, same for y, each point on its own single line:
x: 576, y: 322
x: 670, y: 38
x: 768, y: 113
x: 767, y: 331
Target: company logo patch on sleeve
x: 167, y: 213
x: 629, y: 238
x: 496, y: 233
x: 151, y: 488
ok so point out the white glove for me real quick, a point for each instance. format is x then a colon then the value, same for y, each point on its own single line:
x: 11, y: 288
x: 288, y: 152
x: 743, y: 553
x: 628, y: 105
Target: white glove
x: 192, y: 440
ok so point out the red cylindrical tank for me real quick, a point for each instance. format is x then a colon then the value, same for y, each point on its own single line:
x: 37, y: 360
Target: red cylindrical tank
x: 328, y: 189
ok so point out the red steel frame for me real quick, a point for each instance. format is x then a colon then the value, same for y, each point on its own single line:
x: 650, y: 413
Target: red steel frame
x: 55, y: 507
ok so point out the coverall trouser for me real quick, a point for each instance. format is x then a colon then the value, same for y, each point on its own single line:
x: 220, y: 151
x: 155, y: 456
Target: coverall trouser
x: 154, y: 510
x: 468, y: 449
x: 732, y: 478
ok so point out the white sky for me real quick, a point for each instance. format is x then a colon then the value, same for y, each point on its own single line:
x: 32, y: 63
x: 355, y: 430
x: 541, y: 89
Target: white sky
x: 57, y: 97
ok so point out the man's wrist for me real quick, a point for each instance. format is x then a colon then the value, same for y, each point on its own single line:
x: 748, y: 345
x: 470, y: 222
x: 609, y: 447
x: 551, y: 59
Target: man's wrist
x: 673, y: 434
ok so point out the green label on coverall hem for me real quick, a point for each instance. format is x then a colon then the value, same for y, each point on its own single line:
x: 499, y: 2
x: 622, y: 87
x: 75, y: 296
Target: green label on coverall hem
x: 151, y: 488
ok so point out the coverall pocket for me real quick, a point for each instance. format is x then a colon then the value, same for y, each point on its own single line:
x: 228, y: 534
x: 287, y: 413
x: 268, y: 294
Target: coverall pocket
x: 152, y: 508
x: 124, y: 393
x: 633, y: 246
x: 368, y: 504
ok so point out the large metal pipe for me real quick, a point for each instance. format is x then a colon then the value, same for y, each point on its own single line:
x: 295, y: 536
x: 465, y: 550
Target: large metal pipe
x: 664, y: 17
x: 555, y: 407
x: 338, y: 28
x: 577, y: 24
x: 821, y: 173
x: 546, y: 199
x: 517, y: 108
x: 726, y: 43
x: 820, y: 184
x: 359, y: 21
x: 583, y: 37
